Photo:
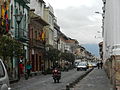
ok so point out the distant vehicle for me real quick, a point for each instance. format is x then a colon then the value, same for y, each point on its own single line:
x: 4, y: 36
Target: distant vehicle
x: 82, y: 66
x: 92, y: 64
x: 4, y: 80
x: 77, y: 62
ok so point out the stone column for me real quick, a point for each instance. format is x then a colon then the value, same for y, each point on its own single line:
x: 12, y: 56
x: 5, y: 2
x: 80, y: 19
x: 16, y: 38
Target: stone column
x: 115, y: 75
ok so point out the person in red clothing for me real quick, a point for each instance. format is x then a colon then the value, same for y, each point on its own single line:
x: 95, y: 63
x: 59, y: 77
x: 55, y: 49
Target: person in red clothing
x: 21, y: 68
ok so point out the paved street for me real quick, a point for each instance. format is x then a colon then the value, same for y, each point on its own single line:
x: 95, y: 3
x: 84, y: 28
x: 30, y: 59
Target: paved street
x: 95, y: 80
x: 45, y: 82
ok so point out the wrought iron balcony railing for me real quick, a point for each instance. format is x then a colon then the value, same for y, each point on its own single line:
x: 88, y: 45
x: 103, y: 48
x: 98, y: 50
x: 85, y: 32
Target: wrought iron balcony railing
x: 36, y: 43
x: 22, y: 35
x: 26, y: 1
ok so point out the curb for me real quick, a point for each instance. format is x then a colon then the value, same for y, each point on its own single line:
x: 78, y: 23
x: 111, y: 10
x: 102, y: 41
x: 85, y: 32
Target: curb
x: 70, y: 85
x: 33, y: 74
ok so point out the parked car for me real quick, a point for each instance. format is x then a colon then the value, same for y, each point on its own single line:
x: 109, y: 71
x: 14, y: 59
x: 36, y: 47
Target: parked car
x: 82, y: 66
x: 4, y: 80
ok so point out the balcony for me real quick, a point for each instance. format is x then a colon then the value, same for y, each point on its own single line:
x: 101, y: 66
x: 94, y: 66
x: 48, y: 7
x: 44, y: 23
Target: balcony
x: 26, y: 1
x: 23, y: 1
x: 116, y: 49
x: 22, y: 35
x: 37, y: 43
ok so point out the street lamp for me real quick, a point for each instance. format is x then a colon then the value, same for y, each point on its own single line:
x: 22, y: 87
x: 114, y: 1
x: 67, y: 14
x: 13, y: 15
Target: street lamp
x: 98, y: 12
x: 18, y: 18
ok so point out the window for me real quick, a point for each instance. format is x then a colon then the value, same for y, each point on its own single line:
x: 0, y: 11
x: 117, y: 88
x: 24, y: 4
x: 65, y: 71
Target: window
x: 11, y: 16
x: 35, y: 34
x: 2, y: 72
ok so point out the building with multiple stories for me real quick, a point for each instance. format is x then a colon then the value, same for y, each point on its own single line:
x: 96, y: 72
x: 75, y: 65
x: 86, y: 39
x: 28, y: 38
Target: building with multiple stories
x: 18, y: 29
x: 111, y: 43
x: 49, y: 17
x: 36, y: 41
x: 35, y: 26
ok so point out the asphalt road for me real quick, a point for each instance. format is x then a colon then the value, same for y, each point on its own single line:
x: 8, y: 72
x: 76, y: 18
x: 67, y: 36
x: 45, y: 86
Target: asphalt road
x: 45, y: 82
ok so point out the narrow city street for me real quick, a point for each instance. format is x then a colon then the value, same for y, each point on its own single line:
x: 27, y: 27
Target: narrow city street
x: 45, y: 82
x: 59, y: 44
x: 95, y: 80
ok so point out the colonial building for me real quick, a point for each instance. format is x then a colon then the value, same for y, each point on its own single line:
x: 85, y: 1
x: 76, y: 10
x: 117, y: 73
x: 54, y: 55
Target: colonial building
x: 111, y: 43
x: 38, y: 5
x: 71, y: 45
x: 37, y: 42
x: 49, y: 17
x: 19, y: 20
x: 56, y: 34
x: 43, y: 31
x: 51, y: 33
x: 62, y: 43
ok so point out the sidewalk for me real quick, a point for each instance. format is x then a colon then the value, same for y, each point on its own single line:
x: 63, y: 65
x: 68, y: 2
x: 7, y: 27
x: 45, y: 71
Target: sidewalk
x: 95, y: 80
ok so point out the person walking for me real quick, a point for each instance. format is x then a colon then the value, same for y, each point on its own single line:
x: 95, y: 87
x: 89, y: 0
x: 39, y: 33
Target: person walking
x: 101, y: 64
x: 21, y: 68
x: 28, y: 68
x: 98, y: 65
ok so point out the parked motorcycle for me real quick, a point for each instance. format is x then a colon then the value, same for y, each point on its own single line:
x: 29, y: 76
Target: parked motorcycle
x: 56, y: 75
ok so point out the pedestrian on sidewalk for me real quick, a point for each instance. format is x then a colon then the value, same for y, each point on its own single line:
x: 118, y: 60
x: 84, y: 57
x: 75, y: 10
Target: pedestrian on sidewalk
x: 21, y: 68
x: 42, y: 68
x: 28, y: 68
x: 98, y: 65
x: 101, y: 64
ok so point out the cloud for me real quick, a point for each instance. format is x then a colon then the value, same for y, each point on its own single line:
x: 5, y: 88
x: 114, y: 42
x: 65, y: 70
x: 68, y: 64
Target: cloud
x: 80, y: 23
x: 77, y: 19
x: 62, y: 4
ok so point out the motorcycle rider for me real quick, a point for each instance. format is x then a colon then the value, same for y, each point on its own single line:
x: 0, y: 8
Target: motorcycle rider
x: 56, y: 72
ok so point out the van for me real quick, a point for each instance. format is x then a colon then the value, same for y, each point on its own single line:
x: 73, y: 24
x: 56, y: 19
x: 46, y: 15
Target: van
x: 4, y: 80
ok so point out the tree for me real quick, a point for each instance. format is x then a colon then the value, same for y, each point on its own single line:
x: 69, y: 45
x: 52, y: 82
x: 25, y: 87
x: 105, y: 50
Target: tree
x: 53, y: 54
x: 10, y: 47
x: 68, y: 57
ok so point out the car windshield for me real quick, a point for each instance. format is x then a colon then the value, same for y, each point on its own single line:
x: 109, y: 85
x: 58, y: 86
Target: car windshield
x: 82, y: 64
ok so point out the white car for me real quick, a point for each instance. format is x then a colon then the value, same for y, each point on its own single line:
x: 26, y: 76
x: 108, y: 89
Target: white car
x: 4, y: 80
x: 82, y: 66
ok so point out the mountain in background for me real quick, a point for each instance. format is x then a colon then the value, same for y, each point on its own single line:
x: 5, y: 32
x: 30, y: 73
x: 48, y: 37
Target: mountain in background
x: 92, y: 48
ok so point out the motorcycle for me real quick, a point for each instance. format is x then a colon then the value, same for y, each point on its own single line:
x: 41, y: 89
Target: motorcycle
x: 56, y: 75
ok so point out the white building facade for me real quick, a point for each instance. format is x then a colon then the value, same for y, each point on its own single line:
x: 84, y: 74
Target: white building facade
x: 49, y: 17
x: 111, y: 41
x: 38, y: 5
x: 112, y: 28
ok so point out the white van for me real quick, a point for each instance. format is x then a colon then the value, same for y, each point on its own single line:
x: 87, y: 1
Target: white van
x: 4, y: 80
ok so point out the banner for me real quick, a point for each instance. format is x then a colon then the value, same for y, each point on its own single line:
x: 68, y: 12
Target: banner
x: 42, y: 35
x: 4, y: 14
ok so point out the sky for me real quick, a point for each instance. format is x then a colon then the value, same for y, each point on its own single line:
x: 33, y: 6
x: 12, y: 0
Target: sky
x: 78, y: 20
